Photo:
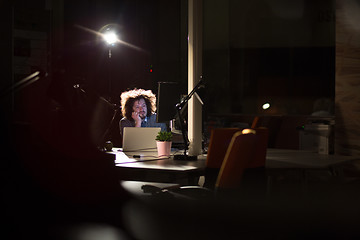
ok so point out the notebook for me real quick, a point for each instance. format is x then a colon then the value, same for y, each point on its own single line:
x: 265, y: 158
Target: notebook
x: 139, y: 139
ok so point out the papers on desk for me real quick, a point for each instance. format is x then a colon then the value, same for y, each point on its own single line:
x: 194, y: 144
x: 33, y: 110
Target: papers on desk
x: 131, y: 157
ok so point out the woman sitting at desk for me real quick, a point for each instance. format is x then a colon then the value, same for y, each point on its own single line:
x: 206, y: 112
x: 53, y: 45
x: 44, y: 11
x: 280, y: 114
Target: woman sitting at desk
x: 138, y: 107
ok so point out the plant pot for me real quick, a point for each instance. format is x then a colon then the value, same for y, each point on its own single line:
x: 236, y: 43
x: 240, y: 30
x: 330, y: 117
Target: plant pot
x: 164, y: 148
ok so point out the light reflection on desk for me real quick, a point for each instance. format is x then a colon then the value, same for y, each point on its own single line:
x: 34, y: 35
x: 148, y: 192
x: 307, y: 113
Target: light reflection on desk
x: 150, y: 160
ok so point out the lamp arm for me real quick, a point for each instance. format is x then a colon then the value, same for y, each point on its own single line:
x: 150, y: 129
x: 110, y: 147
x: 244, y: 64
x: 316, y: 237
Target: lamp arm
x: 179, y: 106
x: 183, y: 132
x: 188, y: 97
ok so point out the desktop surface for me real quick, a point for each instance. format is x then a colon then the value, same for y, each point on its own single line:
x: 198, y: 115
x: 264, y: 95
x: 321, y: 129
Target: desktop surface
x: 147, y: 166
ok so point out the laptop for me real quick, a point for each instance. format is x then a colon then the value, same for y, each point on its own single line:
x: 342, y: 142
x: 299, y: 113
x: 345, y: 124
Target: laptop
x: 137, y: 139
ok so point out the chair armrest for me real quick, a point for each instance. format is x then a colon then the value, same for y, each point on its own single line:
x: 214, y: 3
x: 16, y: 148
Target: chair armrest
x: 194, y: 192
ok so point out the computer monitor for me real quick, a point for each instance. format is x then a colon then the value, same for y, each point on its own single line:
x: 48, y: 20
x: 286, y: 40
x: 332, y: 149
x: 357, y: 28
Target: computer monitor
x: 167, y: 98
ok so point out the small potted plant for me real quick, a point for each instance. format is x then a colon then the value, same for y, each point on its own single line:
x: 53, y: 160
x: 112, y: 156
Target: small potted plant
x: 163, y: 142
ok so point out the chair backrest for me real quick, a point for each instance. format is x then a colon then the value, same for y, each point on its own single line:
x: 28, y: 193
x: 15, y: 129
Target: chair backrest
x: 238, y: 156
x: 219, y: 142
x: 220, y: 139
x: 262, y: 139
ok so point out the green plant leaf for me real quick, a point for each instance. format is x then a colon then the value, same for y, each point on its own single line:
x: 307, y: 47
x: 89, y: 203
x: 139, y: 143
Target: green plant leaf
x: 164, y: 136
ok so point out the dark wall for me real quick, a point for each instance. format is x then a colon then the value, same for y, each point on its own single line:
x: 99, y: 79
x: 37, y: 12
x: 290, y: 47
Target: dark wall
x: 266, y: 51
x: 152, y: 26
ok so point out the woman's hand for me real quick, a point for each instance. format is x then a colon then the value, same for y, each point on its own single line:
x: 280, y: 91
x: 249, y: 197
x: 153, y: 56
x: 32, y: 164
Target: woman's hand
x: 137, y: 119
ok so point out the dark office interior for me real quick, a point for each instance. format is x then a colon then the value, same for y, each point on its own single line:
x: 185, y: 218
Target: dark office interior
x: 300, y: 58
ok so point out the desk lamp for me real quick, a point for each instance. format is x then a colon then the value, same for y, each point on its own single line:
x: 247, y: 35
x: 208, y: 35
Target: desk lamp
x: 178, y: 107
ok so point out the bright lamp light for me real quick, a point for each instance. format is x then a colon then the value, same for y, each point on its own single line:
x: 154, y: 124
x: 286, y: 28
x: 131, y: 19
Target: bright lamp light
x: 110, y: 38
x: 266, y: 106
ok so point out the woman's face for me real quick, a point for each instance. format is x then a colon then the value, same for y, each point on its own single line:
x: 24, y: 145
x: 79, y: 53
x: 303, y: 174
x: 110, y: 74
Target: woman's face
x: 140, y: 107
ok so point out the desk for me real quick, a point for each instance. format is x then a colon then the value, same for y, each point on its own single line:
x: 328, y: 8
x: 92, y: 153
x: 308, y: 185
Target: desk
x: 148, y: 167
x: 303, y: 166
x: 286, y: 158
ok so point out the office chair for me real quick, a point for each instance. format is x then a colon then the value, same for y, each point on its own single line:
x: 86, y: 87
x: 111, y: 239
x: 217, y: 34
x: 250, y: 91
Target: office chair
x: 262, y: 139
x: 254, y: 179
x: 239, y: 154
x: 219, y: 142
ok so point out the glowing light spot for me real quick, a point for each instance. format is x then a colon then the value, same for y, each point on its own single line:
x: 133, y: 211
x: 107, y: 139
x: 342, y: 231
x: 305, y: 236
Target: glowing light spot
x: 110, y: 38
x: 248, y: 131
x: 266, y: 106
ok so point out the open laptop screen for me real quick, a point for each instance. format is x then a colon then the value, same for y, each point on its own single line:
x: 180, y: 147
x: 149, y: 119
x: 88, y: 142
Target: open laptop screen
x: 139, y: 139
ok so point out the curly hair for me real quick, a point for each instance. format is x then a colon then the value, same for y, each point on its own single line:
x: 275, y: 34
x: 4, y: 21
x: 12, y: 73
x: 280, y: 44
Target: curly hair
x: 129, y: 97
